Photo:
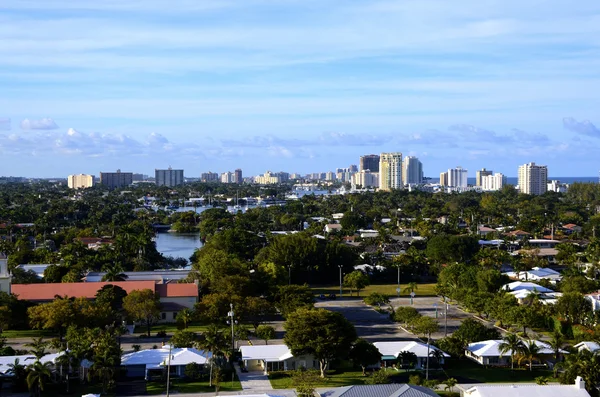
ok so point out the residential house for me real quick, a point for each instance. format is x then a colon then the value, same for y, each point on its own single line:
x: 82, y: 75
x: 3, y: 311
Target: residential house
x: 484, y: 231
x: 523, y: 289
x: 174, y: 297
x: 389, y: 390
x: 159, y: 276
x: 589, y: 346
x: 487, y: 352
x: 268, y: 358
x: 38, y: 269
x: 528, y: 390
x: 94, y: 242
x: 594, y: 299
x: 391, y: 350
x: 571, y: 228
x: 536, y: 274
x: 518, y: 235
x: 153, y: 362
x: 332, y: 227
x: 28, y: 359
x: 542, y: 243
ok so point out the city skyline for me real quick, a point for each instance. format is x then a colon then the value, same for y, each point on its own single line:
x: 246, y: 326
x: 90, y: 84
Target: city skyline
x: 297, y: 86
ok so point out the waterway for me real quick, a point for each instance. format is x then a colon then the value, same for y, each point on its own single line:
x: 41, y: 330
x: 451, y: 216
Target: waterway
x: 178, y: 245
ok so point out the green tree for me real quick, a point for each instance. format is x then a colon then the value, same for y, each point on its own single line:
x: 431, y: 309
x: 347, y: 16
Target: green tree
x: 143, y: 305
x: 56, y: 315
x: 406, y: 314
x: 184, y: 317
x: 214, y: 341
x: 450, y: 383
x: 18, y: 373
x: 530, y: 351
x: 111, y: 296
x: 356, y: 280
x: 379, y: 377
x: 114, y: 273
x: 265, y: 332
x: 407, y: 360
x: 364, y: 354
x: 471, y: 330
x: 38, y: 377
x: 573, y: 307
x: 323, y: 334
x: 376, y: 299
x: 290, y: 298
x: 38, y: 347
x: 512, y: 344
x: 183, y: 338
x: 305, y: 382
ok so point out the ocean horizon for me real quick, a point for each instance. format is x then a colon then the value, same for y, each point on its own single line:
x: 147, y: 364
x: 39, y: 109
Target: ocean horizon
x: 513, y: 180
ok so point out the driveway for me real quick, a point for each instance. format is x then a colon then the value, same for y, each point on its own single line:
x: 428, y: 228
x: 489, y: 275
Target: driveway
x: 253, y: 381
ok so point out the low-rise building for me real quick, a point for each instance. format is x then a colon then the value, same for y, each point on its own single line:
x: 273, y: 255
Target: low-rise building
x: 528, y: 390
x: 536, y: 274
x: 268, y: 358
x: 391, y: 350
x: 487, y: 352
x: 390, y: 390
x: 592, y: 347
x: 153, y: 362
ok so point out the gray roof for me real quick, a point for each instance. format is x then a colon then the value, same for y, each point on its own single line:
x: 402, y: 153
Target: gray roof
x: 391, y: 390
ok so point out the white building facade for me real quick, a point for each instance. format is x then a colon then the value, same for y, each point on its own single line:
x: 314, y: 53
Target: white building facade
x: 493, y: 182
x: 457, y: 177
x: 80, y: 181
x: 412, y: 171
x: 390, y: 171
x: 533, y: 179
x: 366, y: 179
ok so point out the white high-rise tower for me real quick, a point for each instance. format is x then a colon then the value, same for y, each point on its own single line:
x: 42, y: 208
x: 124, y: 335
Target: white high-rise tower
x: 412, y: 171
x: 390, y: 171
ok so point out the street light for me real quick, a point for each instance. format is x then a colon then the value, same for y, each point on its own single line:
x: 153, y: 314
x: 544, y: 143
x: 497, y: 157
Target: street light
x: 340, y: 266
x: 230, y: 314
x: 289, y: 274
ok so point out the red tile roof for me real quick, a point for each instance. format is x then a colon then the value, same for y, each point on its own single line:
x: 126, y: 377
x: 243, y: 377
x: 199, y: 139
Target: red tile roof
x: 173, y: 290
x: 47, y: 292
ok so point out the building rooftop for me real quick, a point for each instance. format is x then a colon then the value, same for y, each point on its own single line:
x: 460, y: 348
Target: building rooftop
x: 392, y: 349
x: 528, y: 390
x: 389, y: 390
x: 268, y: 353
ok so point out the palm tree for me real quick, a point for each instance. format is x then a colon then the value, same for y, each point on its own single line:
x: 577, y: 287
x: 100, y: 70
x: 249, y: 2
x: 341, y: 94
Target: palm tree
x: 450, y: 383
x: 38, y: 347
x: 530, y: 351
x: 556, y: 343
x: 38, y: 376
x: 214, y: 341
x: 412, y: 286
x: 583, y: 363
x: 407, y: 358
x: 185, y: 316
x: 18, y: 372
x: 438, y: 355
x: 114, y: 273
x: 510, y: 343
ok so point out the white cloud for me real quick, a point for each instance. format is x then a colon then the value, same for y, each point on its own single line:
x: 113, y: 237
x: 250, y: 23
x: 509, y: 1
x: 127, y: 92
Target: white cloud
x: 39, y: 124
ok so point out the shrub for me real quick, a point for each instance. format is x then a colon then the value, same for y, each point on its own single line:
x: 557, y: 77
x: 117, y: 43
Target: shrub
x: 376, y: 299
x: 161, y: 334
x: 380, y: 377
x: 136, y: 348
x: 193, y: 371
x: 415, y: 380
x: 406, y: 314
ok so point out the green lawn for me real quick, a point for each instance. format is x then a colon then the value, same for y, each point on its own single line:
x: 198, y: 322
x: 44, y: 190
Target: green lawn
x: 386, y: 289
x: 467, y: 371
x: 170, y: 328
x: 283, y: 380
x: 178, y: 386
x: 28, y: 333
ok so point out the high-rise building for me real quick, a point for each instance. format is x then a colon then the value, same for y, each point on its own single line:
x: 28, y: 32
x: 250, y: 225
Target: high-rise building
x: 114, y: 180
x: 330, y: 176
x: 369, y: 162
x: 390, y: 171
x: 267, y: 178
x: 168, y: 177
x: 480, y: 174
x: 457, y: 177
x: 81, y: 181
x: 209, y: 177
x: 227, y: 177
x: 353, y: 168
x: 443, y: 178
x: 533, y: 179
x: 412, y: 171
x: 492, y: 182
x: 237, y: 176
x: 139, y: 177
x: 365, y: 179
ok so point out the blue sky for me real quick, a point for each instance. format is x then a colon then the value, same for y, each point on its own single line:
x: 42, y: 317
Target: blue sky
x: 297, y: 85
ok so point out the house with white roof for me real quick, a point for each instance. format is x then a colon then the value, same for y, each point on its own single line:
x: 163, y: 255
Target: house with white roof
x: 29, y: 359
x: 528, y: 390
x: 267, y: 358
x: 536, y: 274
x: 388, y: 390
x: 487, y: 352
x: 589, y: 346
x: 142, y: 363
x: 522, y: 289
x: 594, y: 299
x: 391, y: 350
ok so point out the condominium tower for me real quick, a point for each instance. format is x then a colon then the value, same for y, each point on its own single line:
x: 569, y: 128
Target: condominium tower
x: 480, y: 174
x: 114, y: 180
x: 369, y: 162
x: 81, y: 181
x: 533, y: 179
x: 457, y: 177
x: 412, y: 171
x: 390, y: 171
x: 493, y: 182
x: 168, y: 177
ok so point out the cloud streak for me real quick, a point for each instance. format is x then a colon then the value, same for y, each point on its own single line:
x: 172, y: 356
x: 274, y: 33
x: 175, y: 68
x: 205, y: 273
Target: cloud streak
x: 584, y: 127
x: 39, y: 124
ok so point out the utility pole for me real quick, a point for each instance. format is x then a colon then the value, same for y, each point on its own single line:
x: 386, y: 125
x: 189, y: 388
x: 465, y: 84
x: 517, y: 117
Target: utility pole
x: 289, y: 274
x: 230, y: 314
x: 445, y: 317
x: 340, y: 266
x: 427, y: 362
x: 169, y: 369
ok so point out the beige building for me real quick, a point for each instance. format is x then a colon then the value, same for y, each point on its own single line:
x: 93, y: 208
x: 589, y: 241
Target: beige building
x: 480, y: 174
x: 268, y: 178
x: 80, y: 181
x: 366, y: 178
x: 390, y: 171
x: 492, y: 182
x: 533, y: 179
x: 444, y: 179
